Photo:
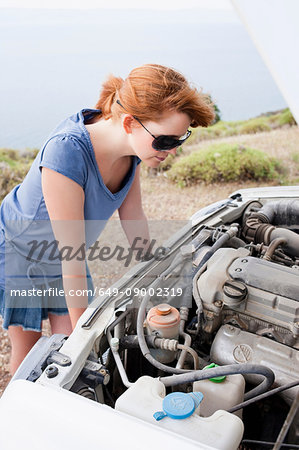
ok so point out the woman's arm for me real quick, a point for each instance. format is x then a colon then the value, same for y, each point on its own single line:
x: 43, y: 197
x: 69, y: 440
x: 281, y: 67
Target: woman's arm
x: 64, y: 199
x: 131, y: 214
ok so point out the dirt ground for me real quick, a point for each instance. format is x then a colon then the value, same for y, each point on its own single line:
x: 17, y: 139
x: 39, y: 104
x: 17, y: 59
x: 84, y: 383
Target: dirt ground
x: 163, y: 201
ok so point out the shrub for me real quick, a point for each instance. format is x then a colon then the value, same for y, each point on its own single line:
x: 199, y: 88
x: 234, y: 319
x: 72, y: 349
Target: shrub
x: 295, y: 157
x: 11, y: 177
x: 9, y: 153
x: 217, y: 113
x: 14, y: 165
x: 255, y: 126
x: 223, y: 163
x: 216, y: 110
x: 14, y: 158
x: 286, y: 118
x: 220, y: 129
x: 265, y: 122
x: 9, y: 156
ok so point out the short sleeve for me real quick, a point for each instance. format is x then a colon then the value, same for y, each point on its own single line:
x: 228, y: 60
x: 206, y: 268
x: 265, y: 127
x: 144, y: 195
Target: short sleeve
x: 138, y: 161
x: 65, y: 154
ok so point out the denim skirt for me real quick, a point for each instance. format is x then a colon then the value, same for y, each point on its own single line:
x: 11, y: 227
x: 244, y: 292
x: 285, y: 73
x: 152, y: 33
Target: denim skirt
x: 32, y: 309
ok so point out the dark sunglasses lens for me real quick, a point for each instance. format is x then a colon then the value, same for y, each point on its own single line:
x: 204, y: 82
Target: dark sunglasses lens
x: 165, y: 143
x: 168, y: 142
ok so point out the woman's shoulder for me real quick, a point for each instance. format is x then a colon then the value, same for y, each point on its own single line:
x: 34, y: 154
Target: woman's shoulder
x: 66, y: 153
x: 73, y: 126
x: 64, y: 138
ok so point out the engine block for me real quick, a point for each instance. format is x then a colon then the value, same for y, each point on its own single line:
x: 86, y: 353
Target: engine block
x: 257, y: 295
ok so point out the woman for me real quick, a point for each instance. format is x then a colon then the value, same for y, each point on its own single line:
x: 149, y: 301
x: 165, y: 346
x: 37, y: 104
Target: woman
x: 88, y: 168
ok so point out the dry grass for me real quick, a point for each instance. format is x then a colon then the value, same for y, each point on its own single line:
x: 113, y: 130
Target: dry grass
x: 281, y: 143
x: 163, y: 200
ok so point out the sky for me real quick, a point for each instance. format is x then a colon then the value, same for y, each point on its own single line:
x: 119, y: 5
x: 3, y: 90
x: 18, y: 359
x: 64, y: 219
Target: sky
x: 50, y: 47
x: 132, y: 4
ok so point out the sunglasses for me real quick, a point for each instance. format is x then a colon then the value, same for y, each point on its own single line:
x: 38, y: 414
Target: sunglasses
x: 162, y: 142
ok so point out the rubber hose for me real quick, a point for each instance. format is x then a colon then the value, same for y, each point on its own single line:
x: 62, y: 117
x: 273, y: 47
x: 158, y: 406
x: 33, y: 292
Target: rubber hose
x: 219, y: 243
x: 283, y: 212
x: 263, y: 396
x: 220, y: 371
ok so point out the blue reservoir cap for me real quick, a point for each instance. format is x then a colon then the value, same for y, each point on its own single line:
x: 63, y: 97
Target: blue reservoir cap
x: 178, y: 405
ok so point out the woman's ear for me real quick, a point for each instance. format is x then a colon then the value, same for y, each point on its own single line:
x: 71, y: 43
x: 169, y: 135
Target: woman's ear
x: 128, y: 123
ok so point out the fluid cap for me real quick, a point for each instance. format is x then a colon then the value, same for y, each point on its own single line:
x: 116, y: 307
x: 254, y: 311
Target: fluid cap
x: 163, y: 316
x: 179, y: 405
x: 215, y: 379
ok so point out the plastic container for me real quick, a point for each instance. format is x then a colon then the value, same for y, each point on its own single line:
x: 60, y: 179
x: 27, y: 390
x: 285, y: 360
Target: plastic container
x: 221, y: 431
x: 220, y: 393
x: 164, y: 321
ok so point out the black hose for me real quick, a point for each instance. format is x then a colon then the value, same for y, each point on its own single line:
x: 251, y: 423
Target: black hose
x: 117, y: 320
x: 263, y: 396
x: 283, y: 212
x: 131, y: 341
x: 275, y: 220
x: 220, y: 371
x: 219, y: 243
x: 236, y: 242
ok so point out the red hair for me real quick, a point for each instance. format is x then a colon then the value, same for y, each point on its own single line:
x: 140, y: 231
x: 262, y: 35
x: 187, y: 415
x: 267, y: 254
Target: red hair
x: 152, y: 89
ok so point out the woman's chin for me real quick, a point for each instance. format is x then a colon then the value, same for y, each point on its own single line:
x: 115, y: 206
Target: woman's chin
x: 152, y: 162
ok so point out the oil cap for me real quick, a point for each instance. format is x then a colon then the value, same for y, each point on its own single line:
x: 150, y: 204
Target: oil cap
x: 234, y: 292
x: 179, y: 405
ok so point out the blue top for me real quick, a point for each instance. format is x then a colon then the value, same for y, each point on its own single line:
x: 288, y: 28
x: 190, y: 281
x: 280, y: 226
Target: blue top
x: 69, y: 151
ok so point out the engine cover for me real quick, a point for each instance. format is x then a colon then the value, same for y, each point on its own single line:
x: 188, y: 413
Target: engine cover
x: 261, y: 291
x: 234, y: 346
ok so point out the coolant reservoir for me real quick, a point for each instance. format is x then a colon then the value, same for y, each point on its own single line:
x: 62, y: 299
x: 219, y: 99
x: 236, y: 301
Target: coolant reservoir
x: 164, y: 321
x: 145, y: 398
x: 220, y: 393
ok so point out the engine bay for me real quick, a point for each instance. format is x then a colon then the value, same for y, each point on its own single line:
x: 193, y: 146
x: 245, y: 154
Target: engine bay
x: 216, y: 319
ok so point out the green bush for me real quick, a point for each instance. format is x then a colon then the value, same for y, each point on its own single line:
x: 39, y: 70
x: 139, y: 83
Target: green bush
x: 14, y: 158
x: 9, y: 156
x: 11, y: 177
x: 265, y: 122
x: 216, y: 109
x: 295, y: 157
x: 8, y: 153
x: 223, y: 163
x: 202, y: 134
x: 14, y: 165
x: 286, y: 118
x: 255, y: 126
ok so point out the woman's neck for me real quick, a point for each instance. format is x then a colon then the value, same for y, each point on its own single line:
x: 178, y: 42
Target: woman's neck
x: 109, y: 140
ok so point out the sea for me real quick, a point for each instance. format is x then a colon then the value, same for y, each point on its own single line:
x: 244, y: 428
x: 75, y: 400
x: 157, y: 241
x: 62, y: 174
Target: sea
x: 54, y: 61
